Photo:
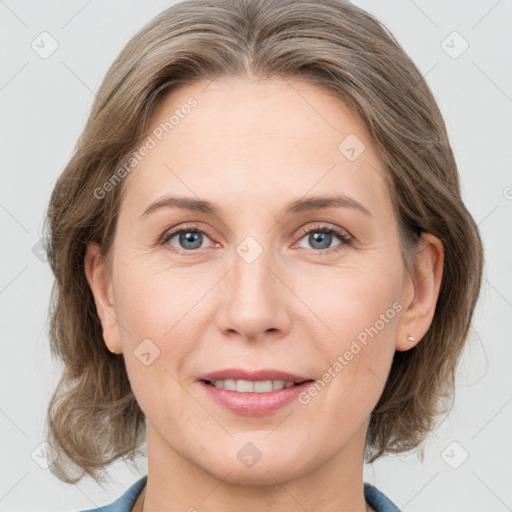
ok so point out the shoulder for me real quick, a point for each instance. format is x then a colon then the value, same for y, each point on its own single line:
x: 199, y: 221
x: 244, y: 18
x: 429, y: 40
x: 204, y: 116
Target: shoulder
x: 378, y: 500
x: 126, y: 501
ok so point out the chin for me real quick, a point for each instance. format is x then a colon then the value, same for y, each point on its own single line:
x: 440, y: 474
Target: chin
x: 268, y: 470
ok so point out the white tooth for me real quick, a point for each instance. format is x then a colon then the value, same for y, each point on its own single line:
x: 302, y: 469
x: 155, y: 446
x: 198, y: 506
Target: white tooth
x: 263, y: 386
x: 249, y: 386
x: 245, y: 386
x: 230, y: 384
x: 277, y: 384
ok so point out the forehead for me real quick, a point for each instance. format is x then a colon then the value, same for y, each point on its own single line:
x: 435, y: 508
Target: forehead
x: 266, y: 139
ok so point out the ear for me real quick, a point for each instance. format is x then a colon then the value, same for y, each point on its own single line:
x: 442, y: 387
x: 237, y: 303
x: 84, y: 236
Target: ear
x: 101, y: 286
x: 420, y: 293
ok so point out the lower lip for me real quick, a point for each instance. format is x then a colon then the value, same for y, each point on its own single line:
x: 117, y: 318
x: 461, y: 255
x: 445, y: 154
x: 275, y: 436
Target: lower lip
x: 254, y: 404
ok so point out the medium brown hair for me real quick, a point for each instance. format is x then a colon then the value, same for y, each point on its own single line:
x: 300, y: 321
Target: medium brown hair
x: 93, y: 416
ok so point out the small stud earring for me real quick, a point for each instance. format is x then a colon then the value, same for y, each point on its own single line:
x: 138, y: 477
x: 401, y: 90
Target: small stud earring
x: 410, y: 338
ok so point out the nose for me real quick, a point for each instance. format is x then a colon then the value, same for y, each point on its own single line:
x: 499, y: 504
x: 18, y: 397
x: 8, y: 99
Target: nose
x: 255, y: 302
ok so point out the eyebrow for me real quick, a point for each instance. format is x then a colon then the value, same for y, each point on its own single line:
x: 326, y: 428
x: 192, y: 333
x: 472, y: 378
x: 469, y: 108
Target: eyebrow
x: 296, y: 206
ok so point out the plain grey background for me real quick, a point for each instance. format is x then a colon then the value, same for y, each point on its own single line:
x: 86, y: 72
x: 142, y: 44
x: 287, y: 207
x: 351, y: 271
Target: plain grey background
x: 463, y: 48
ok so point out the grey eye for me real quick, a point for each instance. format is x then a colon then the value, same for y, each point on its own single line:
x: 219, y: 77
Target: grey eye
x: 188, y: 240
x: 320, y: 239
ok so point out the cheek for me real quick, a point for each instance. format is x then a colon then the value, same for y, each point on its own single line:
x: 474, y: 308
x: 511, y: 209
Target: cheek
x: 156, y: 309
x: 348, y: 300
x: 153, y: 300
x: 170, y: 308
x: 356, y: 354
x: 357, y: 311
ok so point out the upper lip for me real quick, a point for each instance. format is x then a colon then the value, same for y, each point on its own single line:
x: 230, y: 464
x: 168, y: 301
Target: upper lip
x: 252, y: 375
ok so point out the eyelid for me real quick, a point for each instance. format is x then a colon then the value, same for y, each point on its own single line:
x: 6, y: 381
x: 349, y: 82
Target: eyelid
x: 325, y: 226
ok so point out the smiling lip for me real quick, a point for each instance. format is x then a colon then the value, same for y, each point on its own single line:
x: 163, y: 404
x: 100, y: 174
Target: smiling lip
x: 253, y: 404
x: 239, y: 374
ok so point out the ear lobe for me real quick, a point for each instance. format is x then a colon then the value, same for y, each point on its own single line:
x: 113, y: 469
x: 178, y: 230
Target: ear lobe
x: 101, y: 287
x: 426, y: 282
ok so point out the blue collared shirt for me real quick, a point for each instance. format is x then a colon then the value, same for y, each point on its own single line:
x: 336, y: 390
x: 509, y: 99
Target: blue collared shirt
x: 376, y: 499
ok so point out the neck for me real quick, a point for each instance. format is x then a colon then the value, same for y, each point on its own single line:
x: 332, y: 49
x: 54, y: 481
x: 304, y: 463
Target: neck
x: 176, y: 484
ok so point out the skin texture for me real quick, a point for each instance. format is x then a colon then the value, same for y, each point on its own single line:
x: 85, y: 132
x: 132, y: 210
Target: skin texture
x: 251, y: 147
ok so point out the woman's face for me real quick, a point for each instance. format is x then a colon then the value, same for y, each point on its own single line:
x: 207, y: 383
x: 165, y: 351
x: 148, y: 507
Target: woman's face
x: 254, y: 281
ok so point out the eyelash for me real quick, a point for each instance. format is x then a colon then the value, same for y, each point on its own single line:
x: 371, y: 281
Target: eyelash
x: 319, y: 228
